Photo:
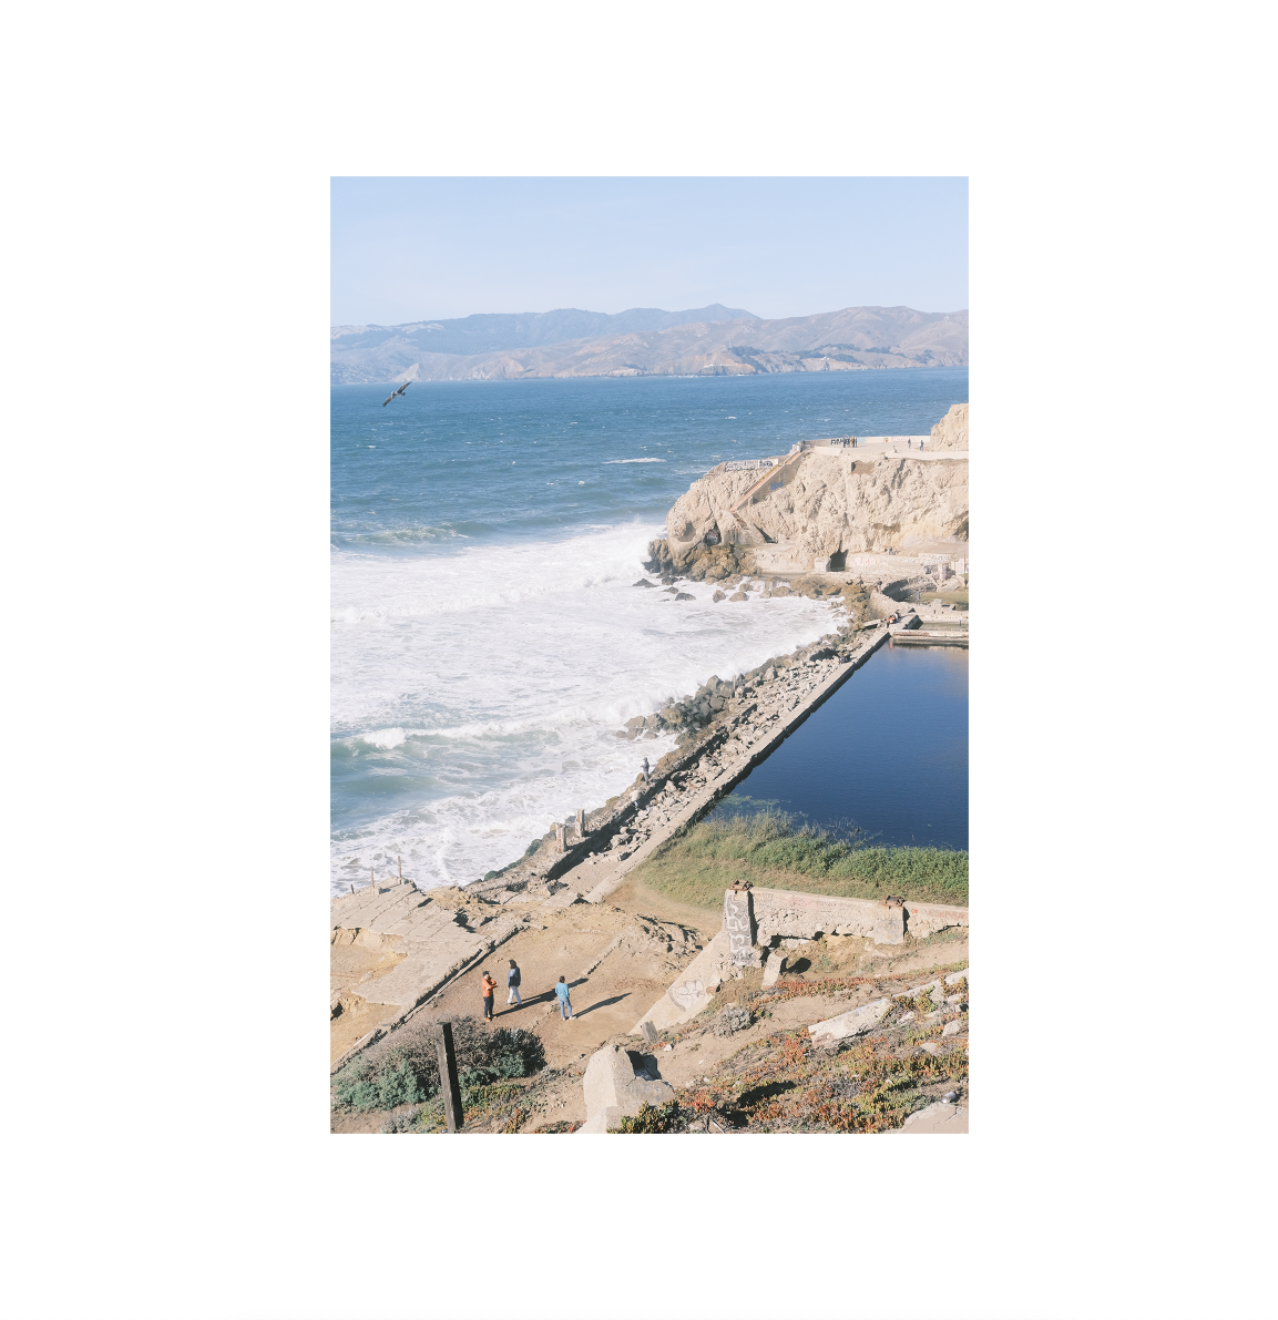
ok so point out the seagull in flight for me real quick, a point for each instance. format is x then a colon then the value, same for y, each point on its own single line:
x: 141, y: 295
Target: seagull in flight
x: 398, y: 392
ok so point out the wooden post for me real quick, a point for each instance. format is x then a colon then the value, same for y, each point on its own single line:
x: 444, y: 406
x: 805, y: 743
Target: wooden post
x: 559, y: 834
x: 372, y: 884
x: 449, y: 1087
x: 399, y: 861
x: 581, y: 822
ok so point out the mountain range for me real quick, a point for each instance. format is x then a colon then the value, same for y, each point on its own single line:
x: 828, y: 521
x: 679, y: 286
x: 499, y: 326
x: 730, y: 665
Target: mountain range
x: 707, y: 341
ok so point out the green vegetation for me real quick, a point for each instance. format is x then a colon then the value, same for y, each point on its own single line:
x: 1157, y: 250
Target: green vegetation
x: 958, y: 598
x: 768, y: 850
x: 665, y: 1118
x: 403, y: 1068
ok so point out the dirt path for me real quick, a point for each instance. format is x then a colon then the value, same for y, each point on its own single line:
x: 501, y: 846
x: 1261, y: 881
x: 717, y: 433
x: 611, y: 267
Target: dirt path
x: 616, y: 966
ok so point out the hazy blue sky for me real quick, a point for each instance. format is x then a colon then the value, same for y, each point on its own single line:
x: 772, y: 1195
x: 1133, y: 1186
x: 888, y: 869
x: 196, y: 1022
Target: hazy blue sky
x: 410, y: 249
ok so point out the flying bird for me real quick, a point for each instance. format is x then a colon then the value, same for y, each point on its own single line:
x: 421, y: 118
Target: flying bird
x: 398, y: 392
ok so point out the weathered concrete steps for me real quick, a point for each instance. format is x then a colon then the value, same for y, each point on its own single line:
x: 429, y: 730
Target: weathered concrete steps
x: 437, y: 941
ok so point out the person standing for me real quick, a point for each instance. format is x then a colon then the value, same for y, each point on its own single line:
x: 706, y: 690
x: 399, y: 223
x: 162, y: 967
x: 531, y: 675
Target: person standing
x: 512, y: 983
x: 565, y: 1005
x: 487, y: 985
x: 646, y: 778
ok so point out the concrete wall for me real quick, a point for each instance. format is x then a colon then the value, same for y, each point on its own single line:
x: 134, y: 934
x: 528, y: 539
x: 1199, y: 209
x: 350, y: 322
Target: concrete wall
x: 927, y: 918
x: 784, y: 912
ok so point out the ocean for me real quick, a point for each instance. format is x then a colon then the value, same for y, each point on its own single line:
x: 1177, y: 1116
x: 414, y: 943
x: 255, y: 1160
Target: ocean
x: 487, y: 640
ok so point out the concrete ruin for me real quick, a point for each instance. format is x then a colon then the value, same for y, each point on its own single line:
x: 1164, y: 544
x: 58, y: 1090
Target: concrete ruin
x: 784, y: 913
x: 754, y: 920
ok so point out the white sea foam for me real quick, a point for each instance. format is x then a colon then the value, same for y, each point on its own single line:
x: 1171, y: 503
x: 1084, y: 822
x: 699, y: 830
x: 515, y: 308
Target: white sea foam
x: 384, y: 738
x: 480, y: 690
x: 633, y: 460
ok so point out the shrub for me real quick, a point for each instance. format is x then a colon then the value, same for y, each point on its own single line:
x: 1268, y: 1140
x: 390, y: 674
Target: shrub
x: 401, y: 1122
x: 666, y: 1118
x: 404, y: 1068
x: 733, y: 1018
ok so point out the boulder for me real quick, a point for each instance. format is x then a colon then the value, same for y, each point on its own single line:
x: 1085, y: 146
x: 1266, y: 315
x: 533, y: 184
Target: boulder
x: 953, y: 1028
x: 718, y: 596
x: 855, y: 1022
x: 773, y: 968
x: 643, y: 582
x: 936, y: 1119
x: 683, y: 595
x: 617, y: 1082
x: 738, y: 595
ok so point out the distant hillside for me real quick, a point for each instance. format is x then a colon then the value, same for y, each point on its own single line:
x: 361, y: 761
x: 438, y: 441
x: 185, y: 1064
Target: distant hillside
x: 723, y: 344
x: 379, y: 353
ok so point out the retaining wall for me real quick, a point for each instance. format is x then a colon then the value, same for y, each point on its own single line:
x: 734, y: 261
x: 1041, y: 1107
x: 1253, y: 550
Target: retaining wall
x: 787, y: 913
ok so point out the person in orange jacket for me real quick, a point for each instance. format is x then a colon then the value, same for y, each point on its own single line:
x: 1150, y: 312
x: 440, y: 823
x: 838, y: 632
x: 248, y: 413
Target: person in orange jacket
x: 487, y: 985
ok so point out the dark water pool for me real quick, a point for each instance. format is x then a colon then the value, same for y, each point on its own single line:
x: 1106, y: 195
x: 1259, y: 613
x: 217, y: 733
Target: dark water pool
x: 887, y: 752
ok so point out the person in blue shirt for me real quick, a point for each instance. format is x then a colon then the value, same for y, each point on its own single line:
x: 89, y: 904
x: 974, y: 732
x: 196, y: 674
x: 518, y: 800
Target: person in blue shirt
x: 565, y: 1007
x: 512, y: 984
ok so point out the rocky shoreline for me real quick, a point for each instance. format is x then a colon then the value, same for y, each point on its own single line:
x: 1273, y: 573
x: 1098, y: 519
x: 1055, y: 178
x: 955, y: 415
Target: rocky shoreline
x: 726, y: 723
x: 846, y: 514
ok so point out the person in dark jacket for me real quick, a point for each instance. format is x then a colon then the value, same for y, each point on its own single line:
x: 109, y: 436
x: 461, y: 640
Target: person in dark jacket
x: 512, y: 983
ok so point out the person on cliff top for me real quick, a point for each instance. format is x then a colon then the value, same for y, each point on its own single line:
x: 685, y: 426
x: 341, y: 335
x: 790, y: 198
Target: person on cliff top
x: 646, y: 778
x: 487, y: 985
x: 565, y: 1005
x: 512, y: 983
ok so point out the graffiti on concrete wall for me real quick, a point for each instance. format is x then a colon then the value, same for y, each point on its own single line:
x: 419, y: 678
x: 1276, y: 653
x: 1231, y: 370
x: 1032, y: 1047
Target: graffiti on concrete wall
x: 736, y: 921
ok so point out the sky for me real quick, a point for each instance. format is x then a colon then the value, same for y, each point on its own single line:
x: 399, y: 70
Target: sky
x: 411, y: 249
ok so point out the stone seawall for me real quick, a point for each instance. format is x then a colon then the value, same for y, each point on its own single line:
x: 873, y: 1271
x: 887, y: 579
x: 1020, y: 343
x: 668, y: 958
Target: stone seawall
x: 744, y: 726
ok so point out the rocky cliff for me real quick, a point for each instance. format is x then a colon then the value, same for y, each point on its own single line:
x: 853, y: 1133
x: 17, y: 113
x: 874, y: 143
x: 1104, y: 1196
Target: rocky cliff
x: 951, y: 431
x: 820, y: 505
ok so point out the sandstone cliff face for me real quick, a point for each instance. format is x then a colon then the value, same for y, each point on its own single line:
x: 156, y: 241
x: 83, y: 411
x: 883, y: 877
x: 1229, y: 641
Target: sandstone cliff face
x: 825, y: 503
x: 951, y: 431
